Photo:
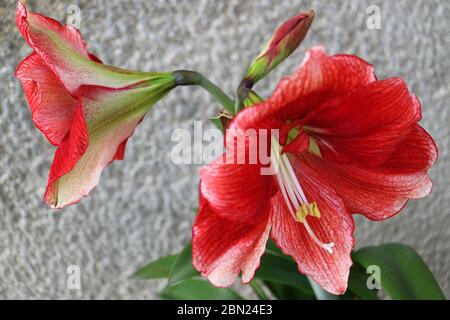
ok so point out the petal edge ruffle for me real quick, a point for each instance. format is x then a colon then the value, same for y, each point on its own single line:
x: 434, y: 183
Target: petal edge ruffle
x: 222, y: 249
x: 51, y: 104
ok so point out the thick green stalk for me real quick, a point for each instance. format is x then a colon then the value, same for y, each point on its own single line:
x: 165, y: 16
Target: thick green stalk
x: 190, y: 78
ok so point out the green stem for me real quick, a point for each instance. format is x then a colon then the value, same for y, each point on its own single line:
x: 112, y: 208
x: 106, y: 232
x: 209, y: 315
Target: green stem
x: 189, y: 78
x: 259, y: 291
x: 242, y: 93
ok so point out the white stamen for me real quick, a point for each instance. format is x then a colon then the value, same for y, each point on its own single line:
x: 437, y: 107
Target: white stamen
x: 276, y: 158
x: 285, y: 196
x: 292, y: 174
x: 292, y: 191
x: 326, y: 246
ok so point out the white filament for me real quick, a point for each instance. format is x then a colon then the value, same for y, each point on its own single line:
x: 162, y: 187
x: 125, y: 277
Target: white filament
x: 292, y: 191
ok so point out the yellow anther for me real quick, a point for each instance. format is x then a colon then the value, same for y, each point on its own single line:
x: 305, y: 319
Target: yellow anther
x: 310, y: 209
x: 314, y: 210
x: 302, y: 212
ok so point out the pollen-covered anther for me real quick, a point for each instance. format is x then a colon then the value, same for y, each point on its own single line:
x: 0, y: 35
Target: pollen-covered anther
x: 310, y: 209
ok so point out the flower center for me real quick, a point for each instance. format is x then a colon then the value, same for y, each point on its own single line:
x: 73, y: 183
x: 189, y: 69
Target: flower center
x: 296, y: 201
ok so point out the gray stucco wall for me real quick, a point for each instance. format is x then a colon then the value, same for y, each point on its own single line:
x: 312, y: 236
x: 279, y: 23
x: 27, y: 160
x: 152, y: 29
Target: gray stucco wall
x: 143, y: 207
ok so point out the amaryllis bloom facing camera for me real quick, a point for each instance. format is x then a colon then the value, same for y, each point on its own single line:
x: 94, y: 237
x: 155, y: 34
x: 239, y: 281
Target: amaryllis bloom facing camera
x: 348, y: 144
x: 85, y: 108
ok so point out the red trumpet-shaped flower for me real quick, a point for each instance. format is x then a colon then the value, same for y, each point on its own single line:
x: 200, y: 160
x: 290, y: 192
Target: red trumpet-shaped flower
x: 348, y: 144
x: 85, y: 108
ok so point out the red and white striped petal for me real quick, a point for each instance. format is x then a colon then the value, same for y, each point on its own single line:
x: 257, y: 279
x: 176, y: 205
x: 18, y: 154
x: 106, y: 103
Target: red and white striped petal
x: 335, y: 225
x: 418, y: 152
x: 319, y: 78
x: 110, y: 117
x: 222, y: 249
x: 64, y: 51
x: 51, y: 104
x: 225, y: 181
x: 377, y: 194
x: 367, y: 125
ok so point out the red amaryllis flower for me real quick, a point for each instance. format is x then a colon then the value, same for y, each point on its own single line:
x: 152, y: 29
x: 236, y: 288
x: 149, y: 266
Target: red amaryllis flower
x: 85, y: 108
x: 349, y: 144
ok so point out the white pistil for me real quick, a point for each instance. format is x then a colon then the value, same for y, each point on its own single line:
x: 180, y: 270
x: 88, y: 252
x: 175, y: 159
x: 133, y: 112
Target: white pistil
x: 292, y: 192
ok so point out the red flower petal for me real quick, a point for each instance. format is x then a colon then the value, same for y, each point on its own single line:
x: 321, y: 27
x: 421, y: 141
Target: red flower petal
x: 222, y: 249
x: 319, y: 78
x: 299, y: 144
x: 120, y: 153
x: 107, y: 137
x: 67, y: 155
x: 64, y: 51
x: 59, y: 46
x: 366, y: 125
x: 94, y: 58
x: 374, y: 194
x: 416, y: 153
x: 330, y: 271
x: 39, y: 24
x: 51, y: 104
x: 236, y: 192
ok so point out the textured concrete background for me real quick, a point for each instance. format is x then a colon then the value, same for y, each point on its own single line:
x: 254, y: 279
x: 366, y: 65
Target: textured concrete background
x: 143, y: 207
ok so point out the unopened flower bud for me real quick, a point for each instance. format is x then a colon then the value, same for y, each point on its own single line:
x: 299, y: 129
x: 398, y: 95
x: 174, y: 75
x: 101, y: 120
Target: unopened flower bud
x: 285, y: 40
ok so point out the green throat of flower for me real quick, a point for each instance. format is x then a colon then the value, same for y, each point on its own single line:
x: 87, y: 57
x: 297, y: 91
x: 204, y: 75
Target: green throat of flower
x: 296, y: 201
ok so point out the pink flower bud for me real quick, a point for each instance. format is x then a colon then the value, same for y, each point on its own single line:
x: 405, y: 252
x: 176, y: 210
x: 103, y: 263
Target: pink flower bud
x: 285, y: 40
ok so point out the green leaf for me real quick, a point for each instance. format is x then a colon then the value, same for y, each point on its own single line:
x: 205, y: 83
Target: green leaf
x: 258, y: 290
x: 195, y: 289
x: 357, y: 284
x: 271, y: 247
x: 357, y: 288
x: 404, y: 274
x: 157, y: 269
x: 285, y: 292
x: 182, y: 268
x: 320, y: 293
x: 282, y: 270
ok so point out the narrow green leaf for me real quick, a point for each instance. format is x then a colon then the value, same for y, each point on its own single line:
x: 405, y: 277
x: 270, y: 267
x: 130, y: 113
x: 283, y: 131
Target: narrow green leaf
x: 195, y: 289
x: 258, y: 290
x: 404, y: 274
x: 357, y: 284
x: 280, y: 269
x: 285, y: 292
x: 271, y: 247
x: 277, y: 278
x: 182, y: 268
x: 157, y: 269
